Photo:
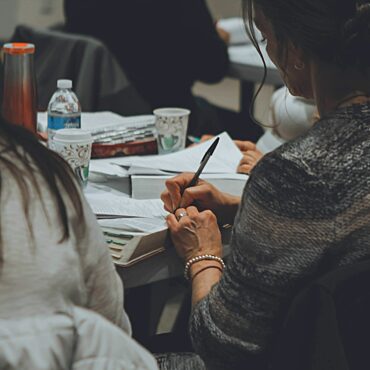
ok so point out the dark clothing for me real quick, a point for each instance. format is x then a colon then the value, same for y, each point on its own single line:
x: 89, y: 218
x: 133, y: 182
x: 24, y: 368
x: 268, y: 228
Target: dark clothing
x: 98, y: 79
x: 304, y: 212
x: 328, y: 324
x: 164, y: 46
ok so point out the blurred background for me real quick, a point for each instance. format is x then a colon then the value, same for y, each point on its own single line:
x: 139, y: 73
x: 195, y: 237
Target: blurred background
x: 46, y: 13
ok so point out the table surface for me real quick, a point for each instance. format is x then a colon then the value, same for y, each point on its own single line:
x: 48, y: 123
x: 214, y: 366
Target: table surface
x: 246, y: 65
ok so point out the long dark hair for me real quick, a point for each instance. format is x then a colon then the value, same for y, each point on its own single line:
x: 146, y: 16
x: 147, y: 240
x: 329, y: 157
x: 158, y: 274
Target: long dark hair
x: 31, y: 157
x: 336, y: 32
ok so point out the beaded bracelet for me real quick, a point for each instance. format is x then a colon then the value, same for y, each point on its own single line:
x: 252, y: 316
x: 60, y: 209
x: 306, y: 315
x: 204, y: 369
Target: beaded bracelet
x: 203, y: 257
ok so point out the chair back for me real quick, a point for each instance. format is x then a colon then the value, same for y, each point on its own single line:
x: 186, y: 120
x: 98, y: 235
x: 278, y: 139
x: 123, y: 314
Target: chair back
x: 99, y: 81
x: 328, y: 324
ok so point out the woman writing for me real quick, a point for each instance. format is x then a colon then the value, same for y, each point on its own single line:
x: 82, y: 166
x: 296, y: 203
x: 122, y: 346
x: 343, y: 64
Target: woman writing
x: 305, y: 208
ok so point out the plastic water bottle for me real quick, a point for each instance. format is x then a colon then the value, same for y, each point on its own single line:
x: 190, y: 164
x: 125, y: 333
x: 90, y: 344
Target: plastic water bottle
x: 64, y: 110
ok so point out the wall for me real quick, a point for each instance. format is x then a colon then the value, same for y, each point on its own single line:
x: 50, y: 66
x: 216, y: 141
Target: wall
x: 38, y: 13
x: 225, y: 8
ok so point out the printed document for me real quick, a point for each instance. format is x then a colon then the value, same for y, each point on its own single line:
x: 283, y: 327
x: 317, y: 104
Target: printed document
x: 225, y: 159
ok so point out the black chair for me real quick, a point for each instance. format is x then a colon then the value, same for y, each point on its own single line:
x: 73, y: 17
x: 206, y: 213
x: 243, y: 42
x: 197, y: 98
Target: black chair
x: 328, y: 324
x: 98, y: 79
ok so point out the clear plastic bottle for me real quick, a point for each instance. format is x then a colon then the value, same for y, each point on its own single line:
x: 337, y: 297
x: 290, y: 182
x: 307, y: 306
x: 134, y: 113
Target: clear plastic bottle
x: 64, y: 110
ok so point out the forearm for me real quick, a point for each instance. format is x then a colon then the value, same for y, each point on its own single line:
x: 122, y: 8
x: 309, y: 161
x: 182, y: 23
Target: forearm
x: 204, y: 275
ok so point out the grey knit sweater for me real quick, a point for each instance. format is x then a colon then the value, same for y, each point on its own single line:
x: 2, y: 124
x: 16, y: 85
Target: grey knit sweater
x: 305, y: 211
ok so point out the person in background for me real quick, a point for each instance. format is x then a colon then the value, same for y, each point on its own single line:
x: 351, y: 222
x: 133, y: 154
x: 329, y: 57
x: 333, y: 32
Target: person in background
x: 55, y: 267
x: 305, y: 208
x: 289, y: 117
x: 164, y: 46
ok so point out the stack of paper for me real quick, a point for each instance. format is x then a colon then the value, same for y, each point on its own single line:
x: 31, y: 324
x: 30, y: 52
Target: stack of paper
x: 107, y: 205
x: 225, y: 159
x: 94, y: 121
x: 149, y: 173
x: 134, y: 229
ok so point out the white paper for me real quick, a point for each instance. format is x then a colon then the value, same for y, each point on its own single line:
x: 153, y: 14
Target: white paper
x: 96, y: 120
x: 112, y: 205
x: 146, y: 225
x: 225, y: 158
x: 105, y: 167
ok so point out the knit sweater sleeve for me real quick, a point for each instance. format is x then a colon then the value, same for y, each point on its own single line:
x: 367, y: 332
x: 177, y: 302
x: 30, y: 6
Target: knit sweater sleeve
x: 279, y: 237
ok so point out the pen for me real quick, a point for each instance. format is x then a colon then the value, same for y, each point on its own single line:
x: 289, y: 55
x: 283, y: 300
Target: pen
x: 194, y: 139
x: 203, y: 163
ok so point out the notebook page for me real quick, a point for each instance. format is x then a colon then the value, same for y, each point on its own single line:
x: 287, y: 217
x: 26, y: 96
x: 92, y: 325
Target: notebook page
x: 225, y: 158
x: 113, y: 205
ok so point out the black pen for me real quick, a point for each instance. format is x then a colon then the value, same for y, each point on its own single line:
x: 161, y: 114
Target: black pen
x: 203, y: 163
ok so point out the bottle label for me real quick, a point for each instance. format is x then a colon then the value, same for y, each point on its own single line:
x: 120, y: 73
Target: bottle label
x: 59, y: 122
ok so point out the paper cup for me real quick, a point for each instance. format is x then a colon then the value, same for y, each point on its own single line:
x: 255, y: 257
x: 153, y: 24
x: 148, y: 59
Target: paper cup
x: 74, y: 145
x: 171, y: 126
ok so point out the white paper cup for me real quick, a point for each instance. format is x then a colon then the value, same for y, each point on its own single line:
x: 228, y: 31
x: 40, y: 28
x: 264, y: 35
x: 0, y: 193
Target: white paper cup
x: 171, y: 125
x: 74, y: 145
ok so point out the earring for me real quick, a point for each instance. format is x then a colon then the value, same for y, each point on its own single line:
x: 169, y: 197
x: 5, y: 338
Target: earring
x: 299, y: 66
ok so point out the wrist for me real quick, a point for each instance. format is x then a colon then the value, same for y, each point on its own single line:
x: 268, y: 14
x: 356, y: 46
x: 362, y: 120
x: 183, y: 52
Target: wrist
x: 195, y: 264
x: 210, y: 268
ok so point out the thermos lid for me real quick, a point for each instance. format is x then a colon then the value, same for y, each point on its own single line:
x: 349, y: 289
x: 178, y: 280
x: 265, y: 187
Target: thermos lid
x: 19, y: 48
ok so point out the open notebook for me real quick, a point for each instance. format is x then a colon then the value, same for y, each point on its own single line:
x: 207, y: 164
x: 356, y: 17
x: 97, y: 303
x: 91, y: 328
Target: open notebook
x: 128, y: 247
x: 134, y: 229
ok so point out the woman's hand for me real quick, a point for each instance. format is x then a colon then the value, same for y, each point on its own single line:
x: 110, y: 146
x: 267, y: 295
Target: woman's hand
x: 204, y: 195
x: 223, y: 34
x: 251, y: 156
x: 195, y: 234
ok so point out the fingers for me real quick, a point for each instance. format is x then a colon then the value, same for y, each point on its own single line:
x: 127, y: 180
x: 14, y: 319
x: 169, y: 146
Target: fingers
x: 245, y: 168
x: 172, y: 195
x: 167, y: 201
x: 249, y: 160
x: 172, y: 222
x: 195, y: 193
x: 180, y: 213
x: 245, y: 145
x: 206, y: 137
x: 192, y: 211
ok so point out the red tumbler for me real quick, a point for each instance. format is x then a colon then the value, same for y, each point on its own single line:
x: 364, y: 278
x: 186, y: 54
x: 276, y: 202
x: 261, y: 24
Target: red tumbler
x: 20, y: 94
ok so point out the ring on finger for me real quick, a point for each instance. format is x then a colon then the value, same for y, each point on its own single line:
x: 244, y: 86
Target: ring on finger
x: 180, y: 215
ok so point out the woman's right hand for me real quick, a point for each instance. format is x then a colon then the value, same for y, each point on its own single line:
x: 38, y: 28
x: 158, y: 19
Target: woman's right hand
x: 204, y: 196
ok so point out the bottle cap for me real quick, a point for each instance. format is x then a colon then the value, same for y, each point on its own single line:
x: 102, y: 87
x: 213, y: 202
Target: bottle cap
x: 73, y: 136
x: 19, y: 48
x: 64, y: 84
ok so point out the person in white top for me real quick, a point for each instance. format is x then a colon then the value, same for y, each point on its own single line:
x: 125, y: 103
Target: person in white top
x: 55, y: 268
x: 289, y: 117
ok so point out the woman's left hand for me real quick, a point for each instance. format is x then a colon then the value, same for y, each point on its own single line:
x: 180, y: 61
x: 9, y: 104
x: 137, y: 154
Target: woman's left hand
x: 251, y: 156
x: 196, y: 233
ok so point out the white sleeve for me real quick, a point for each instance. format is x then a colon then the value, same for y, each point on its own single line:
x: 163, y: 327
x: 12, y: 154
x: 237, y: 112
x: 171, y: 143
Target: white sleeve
x: 104, y: 286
